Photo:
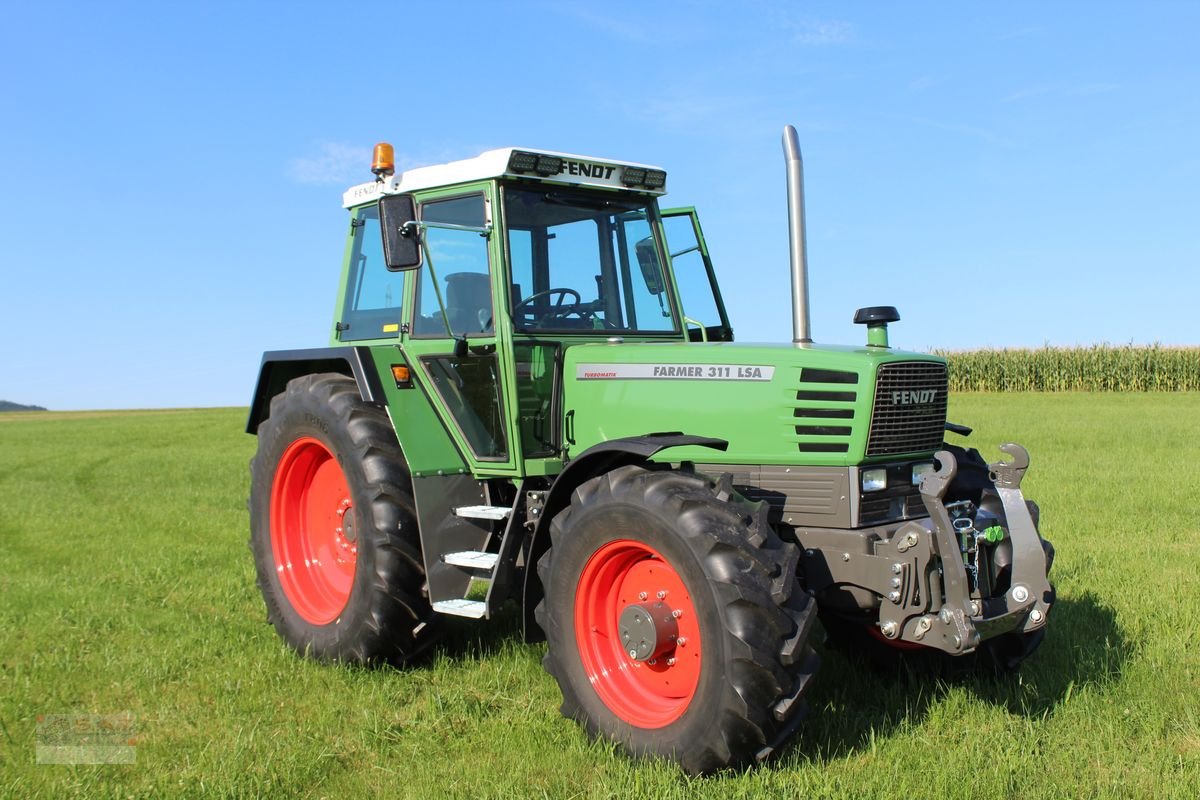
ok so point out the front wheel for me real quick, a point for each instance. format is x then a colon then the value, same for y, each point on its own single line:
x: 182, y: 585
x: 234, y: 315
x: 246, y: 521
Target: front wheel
x: 674, y: 620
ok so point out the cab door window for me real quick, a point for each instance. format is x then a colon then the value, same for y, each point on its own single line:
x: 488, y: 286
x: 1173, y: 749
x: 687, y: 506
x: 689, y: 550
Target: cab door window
x: 457, y: 269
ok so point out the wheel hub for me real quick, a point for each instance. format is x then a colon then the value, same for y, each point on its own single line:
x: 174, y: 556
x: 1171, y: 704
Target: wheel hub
x: 648, y: 630
x: 345, y: 532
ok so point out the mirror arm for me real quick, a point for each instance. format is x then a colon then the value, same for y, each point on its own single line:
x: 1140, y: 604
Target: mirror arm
x: 410, y: 227
x: 436, y: 291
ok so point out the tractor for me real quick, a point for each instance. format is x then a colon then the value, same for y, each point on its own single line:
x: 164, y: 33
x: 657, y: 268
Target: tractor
x: 533, y: 397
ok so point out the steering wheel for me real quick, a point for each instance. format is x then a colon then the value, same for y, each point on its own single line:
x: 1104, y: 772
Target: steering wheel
x: 559, y: 309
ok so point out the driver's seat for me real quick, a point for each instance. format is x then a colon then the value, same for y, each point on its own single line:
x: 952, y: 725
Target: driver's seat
x: 468, y: 302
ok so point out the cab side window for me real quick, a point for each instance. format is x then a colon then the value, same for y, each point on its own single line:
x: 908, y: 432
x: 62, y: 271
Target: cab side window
x: 460, y: 261
x: 373, y: 294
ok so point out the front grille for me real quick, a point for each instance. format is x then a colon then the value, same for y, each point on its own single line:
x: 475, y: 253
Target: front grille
x: 910, y: 408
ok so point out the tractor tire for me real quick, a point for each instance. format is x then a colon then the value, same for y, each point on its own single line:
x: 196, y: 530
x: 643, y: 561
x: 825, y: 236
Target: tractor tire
x: 721, y: 682
x: 333, y: 528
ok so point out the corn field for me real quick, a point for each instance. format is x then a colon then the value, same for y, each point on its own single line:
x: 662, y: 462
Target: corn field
x: 1099, y: 368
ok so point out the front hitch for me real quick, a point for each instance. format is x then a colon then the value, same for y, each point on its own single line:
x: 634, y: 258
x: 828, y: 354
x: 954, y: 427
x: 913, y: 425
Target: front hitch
x: 938, y: 610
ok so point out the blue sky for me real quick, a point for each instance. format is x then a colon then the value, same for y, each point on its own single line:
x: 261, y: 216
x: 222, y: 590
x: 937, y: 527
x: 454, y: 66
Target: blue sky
x: 1006, y: 174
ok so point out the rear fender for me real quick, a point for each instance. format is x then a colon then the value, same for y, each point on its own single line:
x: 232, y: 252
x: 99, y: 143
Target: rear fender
x: 280, y: 366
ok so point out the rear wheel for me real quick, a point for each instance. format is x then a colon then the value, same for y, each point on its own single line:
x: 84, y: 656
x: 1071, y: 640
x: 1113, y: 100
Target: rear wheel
x: 674, y: 620
x: 333, y: 529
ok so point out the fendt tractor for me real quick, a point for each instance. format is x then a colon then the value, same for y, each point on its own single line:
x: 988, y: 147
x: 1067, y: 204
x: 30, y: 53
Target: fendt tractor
x: 533, y: 396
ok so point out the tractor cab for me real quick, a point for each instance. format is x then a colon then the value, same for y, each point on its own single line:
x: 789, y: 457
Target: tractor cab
x: 486, y: 270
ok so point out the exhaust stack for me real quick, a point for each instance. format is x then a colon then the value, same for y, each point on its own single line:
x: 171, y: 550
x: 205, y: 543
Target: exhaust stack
x: 799, y: 252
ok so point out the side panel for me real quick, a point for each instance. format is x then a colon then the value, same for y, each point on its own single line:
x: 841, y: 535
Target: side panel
x: 427, y: 445
x: 779, y: 405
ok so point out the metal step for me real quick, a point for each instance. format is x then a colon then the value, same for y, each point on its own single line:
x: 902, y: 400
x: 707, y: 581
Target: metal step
x: 483, y: 512
x: 461, y: 608
x: 472, y: 559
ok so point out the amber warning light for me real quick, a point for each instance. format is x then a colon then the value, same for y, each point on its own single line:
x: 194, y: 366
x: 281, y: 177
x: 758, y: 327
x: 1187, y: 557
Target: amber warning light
x: 402, y: 375
x: 383, y: 162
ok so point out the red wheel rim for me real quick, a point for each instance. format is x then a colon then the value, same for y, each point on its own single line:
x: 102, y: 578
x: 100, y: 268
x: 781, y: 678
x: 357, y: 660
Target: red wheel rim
x: 313, y: 531
x: 647, y: 694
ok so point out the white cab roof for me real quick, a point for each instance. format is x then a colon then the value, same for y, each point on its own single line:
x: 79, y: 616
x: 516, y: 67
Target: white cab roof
x: 576, y: 170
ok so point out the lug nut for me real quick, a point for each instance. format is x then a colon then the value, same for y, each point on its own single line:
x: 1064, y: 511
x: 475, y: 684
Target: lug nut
x: 1036, y: 615
x: 633, y: 654
x: 677, y: 613
x: 845, y: 556
x: 894, y: 597
x: 889, y: 629
x: 896, y: 569
x: 642, y: 595
x: 1020, y: 594
x: 681, y: 641
x: 661, y: 594
x: 671, y: 661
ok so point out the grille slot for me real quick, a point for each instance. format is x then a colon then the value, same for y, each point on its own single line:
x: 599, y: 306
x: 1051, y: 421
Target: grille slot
x: 909, y: 415
x: 830, y: 427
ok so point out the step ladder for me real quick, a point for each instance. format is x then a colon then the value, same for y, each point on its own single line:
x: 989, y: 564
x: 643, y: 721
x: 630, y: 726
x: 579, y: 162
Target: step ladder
x: 480, y: 565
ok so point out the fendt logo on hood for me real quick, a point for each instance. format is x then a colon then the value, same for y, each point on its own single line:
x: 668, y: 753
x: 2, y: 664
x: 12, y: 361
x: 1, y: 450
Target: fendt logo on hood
x: 914, y: 398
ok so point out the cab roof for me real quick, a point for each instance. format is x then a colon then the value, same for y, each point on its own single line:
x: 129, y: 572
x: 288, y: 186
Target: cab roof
x: 517, y: 162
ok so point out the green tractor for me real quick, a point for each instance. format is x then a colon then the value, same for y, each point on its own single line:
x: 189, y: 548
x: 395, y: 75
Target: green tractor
x: 532, y: 394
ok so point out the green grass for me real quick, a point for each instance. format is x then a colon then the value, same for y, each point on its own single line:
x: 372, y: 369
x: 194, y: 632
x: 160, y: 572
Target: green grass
x: 126, y: 586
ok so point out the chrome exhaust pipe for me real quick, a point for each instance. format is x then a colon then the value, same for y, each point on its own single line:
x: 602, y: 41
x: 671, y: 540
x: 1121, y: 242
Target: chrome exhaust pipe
x: 799, y: 252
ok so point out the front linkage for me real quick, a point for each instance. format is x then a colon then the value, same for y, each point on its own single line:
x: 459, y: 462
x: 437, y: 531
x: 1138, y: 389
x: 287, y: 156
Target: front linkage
x: 972, y: 572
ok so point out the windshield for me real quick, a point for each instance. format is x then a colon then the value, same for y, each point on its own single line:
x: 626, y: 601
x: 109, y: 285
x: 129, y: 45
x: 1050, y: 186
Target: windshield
x: 584, y: 261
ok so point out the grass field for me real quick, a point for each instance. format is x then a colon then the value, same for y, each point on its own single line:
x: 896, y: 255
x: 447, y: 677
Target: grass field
x: 127, y: 588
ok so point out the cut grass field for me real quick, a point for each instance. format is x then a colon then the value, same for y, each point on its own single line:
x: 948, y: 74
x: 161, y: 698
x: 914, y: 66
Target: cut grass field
x: 127, y: 588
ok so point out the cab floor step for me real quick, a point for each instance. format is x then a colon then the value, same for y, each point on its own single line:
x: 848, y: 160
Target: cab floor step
x: 461, y: 608
x: 483, y: 512
x: 472, y: 559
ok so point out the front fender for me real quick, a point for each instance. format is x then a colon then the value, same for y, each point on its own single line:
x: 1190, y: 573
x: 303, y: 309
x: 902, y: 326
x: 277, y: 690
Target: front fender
x: 596, y: 460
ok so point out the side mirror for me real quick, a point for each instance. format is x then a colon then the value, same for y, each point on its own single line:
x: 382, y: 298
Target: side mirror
x: 648, y: 261
x: 401, y: 241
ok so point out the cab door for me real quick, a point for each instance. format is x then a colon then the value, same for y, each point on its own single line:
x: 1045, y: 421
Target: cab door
x: 699, y: 293
x: 464, y: 357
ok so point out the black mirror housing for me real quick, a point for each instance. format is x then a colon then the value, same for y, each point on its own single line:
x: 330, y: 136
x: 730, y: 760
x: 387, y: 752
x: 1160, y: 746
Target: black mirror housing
x: 401, y: 239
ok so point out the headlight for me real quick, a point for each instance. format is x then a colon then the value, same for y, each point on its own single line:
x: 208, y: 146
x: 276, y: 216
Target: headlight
x: 920, y: 471
x: 873, y: 480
